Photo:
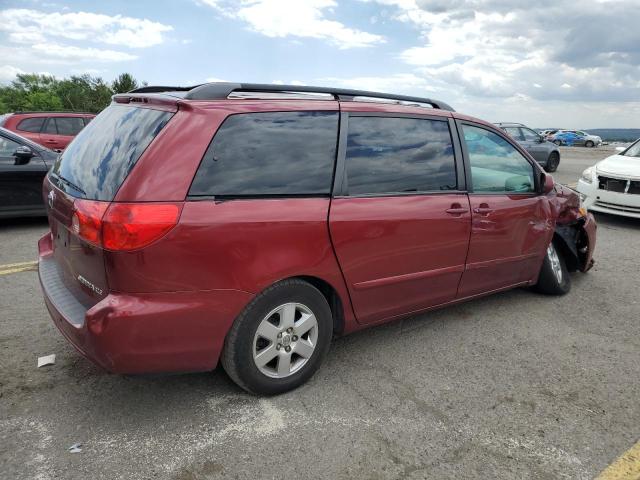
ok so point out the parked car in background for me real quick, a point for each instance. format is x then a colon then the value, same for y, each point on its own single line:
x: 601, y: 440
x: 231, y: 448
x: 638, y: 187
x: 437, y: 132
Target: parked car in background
x: 548, y: 133
x: 23, y: 165
x: 576, y: 138
x: 613, y: 185
x: 545, y: 153
x: 290, y: 214
x: 53, y: 130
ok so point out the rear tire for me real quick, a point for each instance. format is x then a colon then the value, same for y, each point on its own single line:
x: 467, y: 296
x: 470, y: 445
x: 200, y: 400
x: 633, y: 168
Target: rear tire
x: 589, y: 144
x: 554, y: 277
x: 552, y: 162
x: 280, y: 339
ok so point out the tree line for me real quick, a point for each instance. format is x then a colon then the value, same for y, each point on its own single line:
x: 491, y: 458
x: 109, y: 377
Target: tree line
x: 79, y: 93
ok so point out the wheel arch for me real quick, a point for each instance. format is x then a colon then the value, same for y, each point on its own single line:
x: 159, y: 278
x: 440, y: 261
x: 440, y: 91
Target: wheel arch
x: 565, y: 238
x: 333, y: 299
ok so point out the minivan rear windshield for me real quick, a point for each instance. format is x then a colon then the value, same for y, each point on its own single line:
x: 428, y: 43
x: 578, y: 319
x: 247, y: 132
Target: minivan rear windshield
x: 101, y: 156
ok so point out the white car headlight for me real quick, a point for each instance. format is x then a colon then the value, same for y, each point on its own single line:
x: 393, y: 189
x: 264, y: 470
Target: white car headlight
x: 587, y: 175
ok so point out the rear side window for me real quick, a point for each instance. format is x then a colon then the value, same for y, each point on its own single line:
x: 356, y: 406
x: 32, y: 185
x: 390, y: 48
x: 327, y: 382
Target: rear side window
x: 394, y: 155
x: 33, y: 125
x: 69, y: 125
x: 271, y: 153
x: 100, y: 157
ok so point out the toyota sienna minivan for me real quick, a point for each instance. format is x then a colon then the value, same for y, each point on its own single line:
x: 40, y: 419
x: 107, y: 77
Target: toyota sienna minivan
x: 248, y: 224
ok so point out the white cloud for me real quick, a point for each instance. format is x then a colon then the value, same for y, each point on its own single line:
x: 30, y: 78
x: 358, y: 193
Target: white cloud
x: 8, y: 73
x: 497, y: 48
x: 295, y: 18
x: 74, y: 54
x: 29, y: 26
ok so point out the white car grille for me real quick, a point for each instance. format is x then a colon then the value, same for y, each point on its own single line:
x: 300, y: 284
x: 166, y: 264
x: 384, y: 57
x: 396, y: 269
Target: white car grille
x: 619, y: 185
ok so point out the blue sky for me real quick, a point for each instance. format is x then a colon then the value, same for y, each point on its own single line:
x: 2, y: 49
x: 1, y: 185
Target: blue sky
x: 544, y: 63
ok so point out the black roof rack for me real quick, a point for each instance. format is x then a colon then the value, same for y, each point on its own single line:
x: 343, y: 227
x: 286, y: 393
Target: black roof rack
x: 161, y: 88
x: 222, y: 90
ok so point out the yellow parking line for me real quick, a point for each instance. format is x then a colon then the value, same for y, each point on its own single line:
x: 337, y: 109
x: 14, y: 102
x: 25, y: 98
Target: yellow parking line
x: 626, y: 467
x: 18, y: 267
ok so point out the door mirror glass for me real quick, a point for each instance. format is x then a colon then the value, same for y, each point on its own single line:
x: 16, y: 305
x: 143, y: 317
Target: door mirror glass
x: 23, y: 154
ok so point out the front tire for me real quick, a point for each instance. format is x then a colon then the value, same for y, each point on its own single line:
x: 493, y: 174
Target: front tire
x: 280, y: 339
x: 589, y: 144
x: 554, y: 277
x: 552, y: 162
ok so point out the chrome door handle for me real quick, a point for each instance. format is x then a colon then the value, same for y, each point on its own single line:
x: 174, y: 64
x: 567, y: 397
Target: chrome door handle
x: 483, y: 210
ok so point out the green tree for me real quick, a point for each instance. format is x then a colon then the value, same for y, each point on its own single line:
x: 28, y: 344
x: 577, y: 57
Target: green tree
x: 124, y: 83
x: 34, y: 91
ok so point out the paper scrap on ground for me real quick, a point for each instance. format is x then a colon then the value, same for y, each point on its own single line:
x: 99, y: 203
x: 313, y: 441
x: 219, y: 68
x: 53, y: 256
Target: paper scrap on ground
x: 46, y: 360
x: 75, y: 448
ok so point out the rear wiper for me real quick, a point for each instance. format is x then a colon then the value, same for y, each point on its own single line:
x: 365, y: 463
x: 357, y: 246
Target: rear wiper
x: 71, y: 184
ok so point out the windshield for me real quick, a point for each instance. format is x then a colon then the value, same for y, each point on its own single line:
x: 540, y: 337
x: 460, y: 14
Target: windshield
x: 633, y: 150
x: 101, y: 156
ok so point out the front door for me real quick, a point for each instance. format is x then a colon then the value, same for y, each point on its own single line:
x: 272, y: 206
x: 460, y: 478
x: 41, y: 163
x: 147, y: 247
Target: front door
x: 400, y: 226
x: 20, y: 181
x: 511, y: 222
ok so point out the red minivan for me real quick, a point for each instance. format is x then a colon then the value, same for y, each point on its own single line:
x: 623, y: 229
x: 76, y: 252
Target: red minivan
x: 251, y: 223
x: 53, y: 130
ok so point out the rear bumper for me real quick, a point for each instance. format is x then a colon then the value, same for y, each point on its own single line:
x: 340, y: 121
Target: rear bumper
x: 142, y: 332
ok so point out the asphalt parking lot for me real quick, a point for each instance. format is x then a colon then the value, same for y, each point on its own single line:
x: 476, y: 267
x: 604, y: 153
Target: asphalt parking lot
x: 516, y: 385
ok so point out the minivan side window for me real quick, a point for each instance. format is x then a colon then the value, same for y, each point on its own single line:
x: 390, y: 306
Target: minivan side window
x: 270, y: 153
x: 496, y: 165
x: 399, y: 155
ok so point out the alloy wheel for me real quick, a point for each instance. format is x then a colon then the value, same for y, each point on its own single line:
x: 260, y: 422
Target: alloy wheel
x: 554, y: 259
x: 285, y: 340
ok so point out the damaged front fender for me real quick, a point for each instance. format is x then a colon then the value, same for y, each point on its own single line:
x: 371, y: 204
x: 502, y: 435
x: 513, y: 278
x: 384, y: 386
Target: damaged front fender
x: 577, y: 240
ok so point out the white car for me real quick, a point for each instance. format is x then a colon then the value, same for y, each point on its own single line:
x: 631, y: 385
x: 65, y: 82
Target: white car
x: 613, y: 185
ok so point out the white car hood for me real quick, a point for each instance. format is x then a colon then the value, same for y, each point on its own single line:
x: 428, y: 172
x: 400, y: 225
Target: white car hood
x: 620, y: 166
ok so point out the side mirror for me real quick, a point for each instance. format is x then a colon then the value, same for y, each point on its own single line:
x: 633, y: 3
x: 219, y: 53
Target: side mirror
x: 23, y: 154
x: 541, y: 139
x: 546, y: 183
x: 620, y: 149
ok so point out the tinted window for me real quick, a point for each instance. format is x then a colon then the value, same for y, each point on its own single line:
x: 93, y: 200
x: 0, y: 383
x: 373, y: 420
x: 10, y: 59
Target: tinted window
x: 515, y: 133
x: 496, y: 165
x: 100, y: 157
x: 530, y: 135
x: 274, y: 153
x: 69, y: 125
x: 31, y: 125
x: 50, y: 127
x: 387, y: 155
x: 7, y: 147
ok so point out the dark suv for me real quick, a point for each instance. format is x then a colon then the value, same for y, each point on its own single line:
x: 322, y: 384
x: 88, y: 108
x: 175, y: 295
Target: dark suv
x: 543, y: 151
x: 251, y: 223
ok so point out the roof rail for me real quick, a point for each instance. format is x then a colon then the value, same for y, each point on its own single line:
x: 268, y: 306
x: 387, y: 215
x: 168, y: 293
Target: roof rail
x: 51, y: 111
x: 222, y: 90
x: 510, y: 123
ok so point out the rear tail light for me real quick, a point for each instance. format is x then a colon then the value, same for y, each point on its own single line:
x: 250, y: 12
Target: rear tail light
x: 123, y: 226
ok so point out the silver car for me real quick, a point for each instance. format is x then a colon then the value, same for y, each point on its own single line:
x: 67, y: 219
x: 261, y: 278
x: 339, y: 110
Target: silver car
x: 544, y: 152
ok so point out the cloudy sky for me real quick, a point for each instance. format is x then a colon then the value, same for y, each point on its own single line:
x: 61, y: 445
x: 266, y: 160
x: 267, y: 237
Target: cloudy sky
x: 565, y: 63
